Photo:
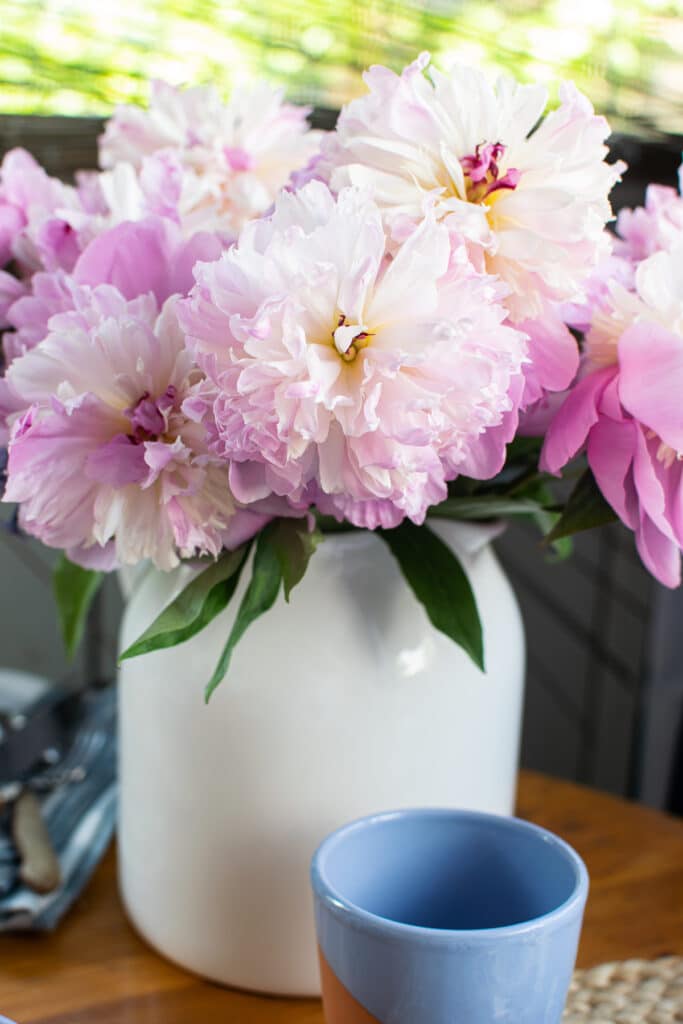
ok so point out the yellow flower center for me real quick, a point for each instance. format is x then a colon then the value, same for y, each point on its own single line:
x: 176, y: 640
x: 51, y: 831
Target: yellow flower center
x: 349, y: 338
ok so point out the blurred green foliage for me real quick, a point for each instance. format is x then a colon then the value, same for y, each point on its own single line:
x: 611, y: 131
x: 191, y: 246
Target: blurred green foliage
x: 84, y: 56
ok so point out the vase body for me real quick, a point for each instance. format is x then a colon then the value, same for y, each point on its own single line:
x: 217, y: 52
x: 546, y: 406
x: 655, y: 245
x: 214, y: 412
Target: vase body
x: 344, y: 702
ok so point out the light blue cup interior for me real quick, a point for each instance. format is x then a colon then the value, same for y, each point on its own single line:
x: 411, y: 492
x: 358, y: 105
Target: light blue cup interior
x: 449, y: 917
x: 433, y: 871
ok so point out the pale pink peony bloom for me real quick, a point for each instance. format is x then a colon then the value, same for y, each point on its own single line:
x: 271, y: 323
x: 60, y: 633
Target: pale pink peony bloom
x: 108, y: 460
x: 626, y: 410
x: 530, y: 198
x: 47, y: 226
x: 25, y: 189
x: 347, y: 379
x: 137, y: 257
x: 43, y: 223
x: 209, y: 165
x: 657, y: 225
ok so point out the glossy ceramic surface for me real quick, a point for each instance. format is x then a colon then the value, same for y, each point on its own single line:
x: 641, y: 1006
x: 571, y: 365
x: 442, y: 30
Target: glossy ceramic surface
x: 344, y: 702
x: 448, y: 917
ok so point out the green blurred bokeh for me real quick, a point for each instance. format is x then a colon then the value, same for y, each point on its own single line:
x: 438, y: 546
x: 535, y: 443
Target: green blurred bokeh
x: 84, y: 56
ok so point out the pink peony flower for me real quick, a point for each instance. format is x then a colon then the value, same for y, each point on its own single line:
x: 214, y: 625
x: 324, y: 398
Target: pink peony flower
x: 347, y: 379
x: 657, y: 225
x: 137, y: 257
x: 626, y: 410
x: 47, y: 226
x: 208, y: 165
x: 108, y: 460
x: 529, y: 195
x: 24, y: 188
x: 42, y: 221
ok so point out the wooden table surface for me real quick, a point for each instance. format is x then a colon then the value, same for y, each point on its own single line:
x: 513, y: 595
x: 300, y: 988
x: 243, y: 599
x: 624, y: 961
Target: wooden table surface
x: 95, y: 970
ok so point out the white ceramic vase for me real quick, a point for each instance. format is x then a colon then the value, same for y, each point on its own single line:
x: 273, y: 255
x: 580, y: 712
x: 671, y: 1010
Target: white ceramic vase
x: 342, y: 703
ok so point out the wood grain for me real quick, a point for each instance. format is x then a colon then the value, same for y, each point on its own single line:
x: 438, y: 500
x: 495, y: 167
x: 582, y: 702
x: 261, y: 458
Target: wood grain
x: 95, y: 970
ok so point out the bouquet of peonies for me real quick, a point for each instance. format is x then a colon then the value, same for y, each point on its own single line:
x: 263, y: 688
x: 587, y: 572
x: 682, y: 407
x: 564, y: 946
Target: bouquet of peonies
x: 241, y: 334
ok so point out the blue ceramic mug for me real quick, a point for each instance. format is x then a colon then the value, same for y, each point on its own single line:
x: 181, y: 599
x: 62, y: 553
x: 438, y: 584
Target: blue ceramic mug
x: 446, y: 917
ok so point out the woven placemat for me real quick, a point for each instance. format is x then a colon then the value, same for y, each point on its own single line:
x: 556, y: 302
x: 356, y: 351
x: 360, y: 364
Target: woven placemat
x: 630, y: 992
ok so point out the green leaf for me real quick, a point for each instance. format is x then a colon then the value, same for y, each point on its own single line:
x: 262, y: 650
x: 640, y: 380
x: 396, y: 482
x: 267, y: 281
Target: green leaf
x: 485, y: 506
x: 194, y: 607
x: 546, y: 517
x: 74, y: 589
x: 294, y: 544
x: 328, y: 524
x: 562, y: 547
x: 585, y: 509
x: 439, y: 582
x: 260, y: 595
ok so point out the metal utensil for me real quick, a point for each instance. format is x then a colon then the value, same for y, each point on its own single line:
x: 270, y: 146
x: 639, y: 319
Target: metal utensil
x: 37, y: 720
x: 39, y: 869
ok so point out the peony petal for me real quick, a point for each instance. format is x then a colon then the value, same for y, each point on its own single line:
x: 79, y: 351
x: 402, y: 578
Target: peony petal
x: 571, y: 426
x: 248, y: 481
x: 117, y: 462
x: 650, y: 478
x: 661, y: 555
x: 651, y: 379
x: 244, y: 525
x: 611, y: 451
x: 133, y: 256
x: 554, y: 356
x: 11, y: 289
x: 97, y: 557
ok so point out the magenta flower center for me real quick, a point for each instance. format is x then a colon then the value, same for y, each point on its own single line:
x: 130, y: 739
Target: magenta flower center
x: 482, y: 172
x: 149, y: 418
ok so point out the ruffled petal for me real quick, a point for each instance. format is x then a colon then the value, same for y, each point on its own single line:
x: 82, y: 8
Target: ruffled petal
x: 570, y: 428
x: 651, y: 379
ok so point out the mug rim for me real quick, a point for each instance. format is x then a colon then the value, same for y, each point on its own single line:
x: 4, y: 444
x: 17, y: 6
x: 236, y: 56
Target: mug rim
x: 355, y: 915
